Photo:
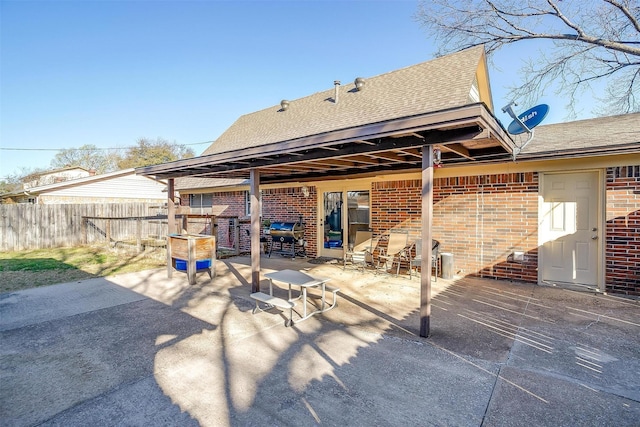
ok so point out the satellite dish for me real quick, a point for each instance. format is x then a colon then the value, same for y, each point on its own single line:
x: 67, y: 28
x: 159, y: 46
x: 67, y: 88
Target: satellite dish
x: 530, y: 119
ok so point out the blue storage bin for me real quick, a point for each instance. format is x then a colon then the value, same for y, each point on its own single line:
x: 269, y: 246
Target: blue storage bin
x: 333, y: 244
x: 182, y: 264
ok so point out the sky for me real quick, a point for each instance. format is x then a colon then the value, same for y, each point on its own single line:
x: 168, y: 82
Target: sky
x: 108, y: 73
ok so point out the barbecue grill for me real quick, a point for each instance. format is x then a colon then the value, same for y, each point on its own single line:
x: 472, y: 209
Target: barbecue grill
x: 290, y: 234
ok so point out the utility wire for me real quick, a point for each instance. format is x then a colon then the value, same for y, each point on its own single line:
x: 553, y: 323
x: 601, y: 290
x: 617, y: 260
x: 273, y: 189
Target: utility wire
x: 86, y: 149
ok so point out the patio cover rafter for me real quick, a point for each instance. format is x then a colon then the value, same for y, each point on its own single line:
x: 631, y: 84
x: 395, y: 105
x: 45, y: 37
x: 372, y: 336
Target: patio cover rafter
x: 466, y: 133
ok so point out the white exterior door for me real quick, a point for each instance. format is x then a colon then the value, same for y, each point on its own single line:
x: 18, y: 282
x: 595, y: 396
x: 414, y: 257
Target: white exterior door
x: 569, y: 229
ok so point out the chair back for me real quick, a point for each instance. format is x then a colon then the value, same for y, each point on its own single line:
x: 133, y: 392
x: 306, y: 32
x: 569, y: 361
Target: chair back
x: 397, y: 242
x: 363, y: 241
x: 435, y: 246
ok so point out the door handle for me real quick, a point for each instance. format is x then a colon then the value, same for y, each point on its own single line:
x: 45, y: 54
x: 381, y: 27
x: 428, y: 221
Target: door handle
x: 594, y: 229
x: 594, y: 237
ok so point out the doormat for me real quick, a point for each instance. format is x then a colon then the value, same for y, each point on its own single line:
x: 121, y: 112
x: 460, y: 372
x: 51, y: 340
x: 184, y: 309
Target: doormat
x: 324, y: 260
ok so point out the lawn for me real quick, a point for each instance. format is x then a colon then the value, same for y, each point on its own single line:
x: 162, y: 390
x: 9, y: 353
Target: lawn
x: 42, y: 267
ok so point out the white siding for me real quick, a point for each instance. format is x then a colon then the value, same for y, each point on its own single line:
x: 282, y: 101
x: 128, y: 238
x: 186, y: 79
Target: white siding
x: 117, y: 189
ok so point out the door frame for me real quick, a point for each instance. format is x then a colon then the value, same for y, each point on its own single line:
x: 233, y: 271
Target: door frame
x: 337, y: 186
x: 600, y: 219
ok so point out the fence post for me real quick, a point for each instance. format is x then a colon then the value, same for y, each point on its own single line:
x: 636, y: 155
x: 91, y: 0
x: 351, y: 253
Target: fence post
x: 139, y: 235
x: 107, y: 231
x: 83, y: 226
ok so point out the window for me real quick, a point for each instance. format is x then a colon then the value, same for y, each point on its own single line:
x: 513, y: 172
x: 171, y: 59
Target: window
x: 200, y: 201
x: 247, y: 202
x: 474, y: 93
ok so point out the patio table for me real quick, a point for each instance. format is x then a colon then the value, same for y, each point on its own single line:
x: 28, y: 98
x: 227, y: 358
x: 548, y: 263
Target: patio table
x: 298, y: 278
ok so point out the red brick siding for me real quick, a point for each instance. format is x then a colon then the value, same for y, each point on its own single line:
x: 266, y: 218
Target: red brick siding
x: 480, y: 219
x: 289, y: 204
x: 235, y: 207
x: 280, y: 204
x: 622, y: 254
x: 225, y: 232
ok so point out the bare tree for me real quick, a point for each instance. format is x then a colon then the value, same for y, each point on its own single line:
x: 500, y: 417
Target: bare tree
x: 149, y: 152
x: 589, y: 42
x: 88, y: 156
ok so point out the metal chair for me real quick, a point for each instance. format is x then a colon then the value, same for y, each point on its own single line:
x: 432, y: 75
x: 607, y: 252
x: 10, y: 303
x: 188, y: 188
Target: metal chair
x: 396, y: 251
x: 417, y: 260
x: 360, y: 254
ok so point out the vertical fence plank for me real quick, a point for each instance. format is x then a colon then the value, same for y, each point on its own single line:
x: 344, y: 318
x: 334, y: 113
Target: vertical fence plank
x: 27, y: 226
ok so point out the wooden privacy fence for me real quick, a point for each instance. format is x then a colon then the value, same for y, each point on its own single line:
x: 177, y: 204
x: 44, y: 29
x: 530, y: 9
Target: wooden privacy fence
x: 27, y: 226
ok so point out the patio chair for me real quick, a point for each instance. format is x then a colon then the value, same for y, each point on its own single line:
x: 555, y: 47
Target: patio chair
x: 396, y: 251
x: 360, y: 254
x: 417, y: 260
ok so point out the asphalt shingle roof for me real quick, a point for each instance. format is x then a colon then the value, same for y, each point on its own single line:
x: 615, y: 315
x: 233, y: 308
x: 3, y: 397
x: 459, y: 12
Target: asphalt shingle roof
x: 603, y: 133
x: 431, y: 86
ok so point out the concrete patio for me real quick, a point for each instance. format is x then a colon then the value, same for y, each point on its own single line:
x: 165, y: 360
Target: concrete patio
x: 141, y: 349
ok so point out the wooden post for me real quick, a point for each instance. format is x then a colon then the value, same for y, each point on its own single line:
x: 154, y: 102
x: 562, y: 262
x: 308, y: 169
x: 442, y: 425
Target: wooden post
x: 171, y: 208
x: 171, y: 223
x: 236, y: 236
x: 169, y: 258
x: 191, y: 261
x: 185, y: 224
x: 139, y: 235
x: 255, y: 230
x: 107, y: 231
x: 427, y: 214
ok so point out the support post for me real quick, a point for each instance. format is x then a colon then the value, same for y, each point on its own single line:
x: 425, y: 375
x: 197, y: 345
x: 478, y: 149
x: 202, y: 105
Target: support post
x: 255, y: 229
x: 171, y: 208
x: 427, y: 215
x: 171, y: 223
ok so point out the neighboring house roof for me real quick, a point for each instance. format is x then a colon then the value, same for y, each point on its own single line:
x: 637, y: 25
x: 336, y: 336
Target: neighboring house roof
x: 79, y: 183
x: 65, y: 169
x: 602, y: 135
x: 435, y: 85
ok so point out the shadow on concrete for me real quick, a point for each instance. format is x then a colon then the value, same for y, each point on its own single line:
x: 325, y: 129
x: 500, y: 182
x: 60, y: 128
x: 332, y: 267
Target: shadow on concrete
x: 500, y: 353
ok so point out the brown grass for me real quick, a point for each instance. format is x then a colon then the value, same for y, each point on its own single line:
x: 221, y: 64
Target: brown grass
x: 41, y: 267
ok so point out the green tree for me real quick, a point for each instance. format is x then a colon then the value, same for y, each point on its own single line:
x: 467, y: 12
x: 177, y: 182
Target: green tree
x: 148, y: 152
x: 588, y: 42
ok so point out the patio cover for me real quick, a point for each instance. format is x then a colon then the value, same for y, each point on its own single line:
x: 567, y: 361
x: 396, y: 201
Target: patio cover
x: 390, y: 125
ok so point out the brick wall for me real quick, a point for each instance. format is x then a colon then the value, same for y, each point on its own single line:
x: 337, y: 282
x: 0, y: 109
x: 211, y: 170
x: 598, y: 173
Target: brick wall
x: 481, y: 220
x: 288, y: 205
x: 225, y: 230
x: 622, y: 258
x: 280, y: 204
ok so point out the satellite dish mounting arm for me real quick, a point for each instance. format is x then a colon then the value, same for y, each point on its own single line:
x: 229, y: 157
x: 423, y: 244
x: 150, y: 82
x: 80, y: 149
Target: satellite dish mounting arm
x: 509, y: 110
